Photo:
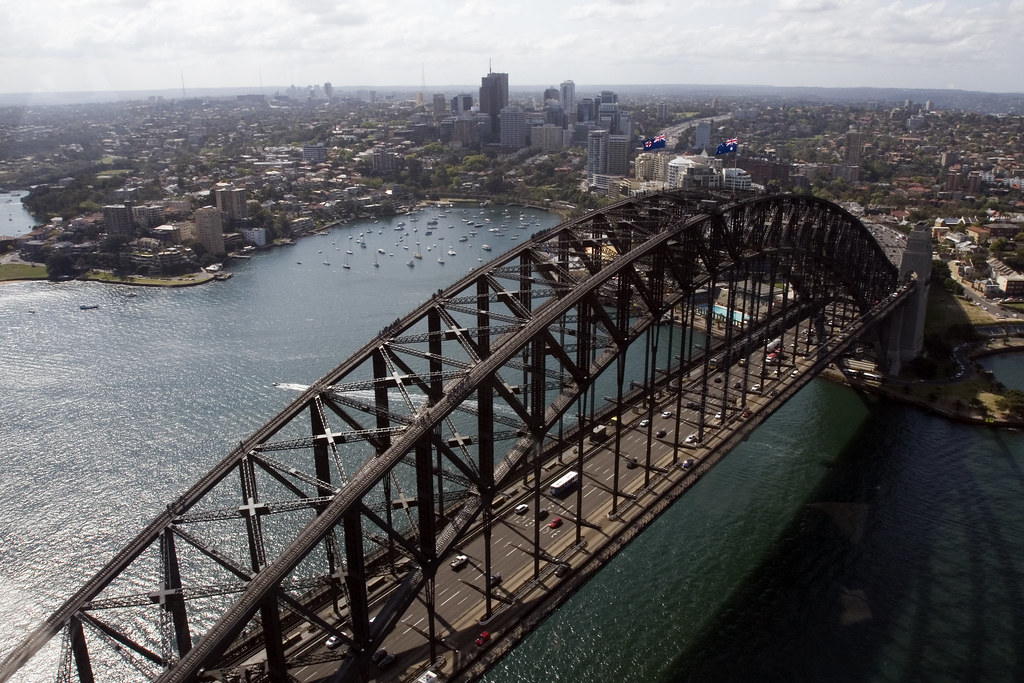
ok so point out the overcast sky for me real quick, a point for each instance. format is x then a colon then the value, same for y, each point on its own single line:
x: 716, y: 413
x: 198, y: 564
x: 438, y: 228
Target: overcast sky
x: 122, y: 45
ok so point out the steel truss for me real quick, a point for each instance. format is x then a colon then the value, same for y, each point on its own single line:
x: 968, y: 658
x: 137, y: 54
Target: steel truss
x: 353, y: 496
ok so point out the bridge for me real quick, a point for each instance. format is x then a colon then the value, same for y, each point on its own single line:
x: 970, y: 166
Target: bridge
x: 423, y: 506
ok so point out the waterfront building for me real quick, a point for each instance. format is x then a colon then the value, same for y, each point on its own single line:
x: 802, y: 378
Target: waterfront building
x: 148, y: 216
x: 736, y: 179
x: 257, y: 236
x: 232, y: 203
x: 117, y: 219
x: 210, y: 229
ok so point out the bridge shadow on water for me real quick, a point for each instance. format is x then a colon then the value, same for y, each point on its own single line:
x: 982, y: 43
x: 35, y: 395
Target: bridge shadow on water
x: 901, y: 566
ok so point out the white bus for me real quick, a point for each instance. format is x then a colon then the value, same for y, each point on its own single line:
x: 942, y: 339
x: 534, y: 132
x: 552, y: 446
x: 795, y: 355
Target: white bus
x: 565, y: 483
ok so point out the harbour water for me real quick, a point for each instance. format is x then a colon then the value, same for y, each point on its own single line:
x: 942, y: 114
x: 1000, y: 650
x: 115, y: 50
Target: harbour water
x: 14, y: 219
x: 847, y: 539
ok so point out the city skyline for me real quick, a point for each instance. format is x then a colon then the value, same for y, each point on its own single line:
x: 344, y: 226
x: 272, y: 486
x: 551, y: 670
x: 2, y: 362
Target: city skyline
x: 62, y: 46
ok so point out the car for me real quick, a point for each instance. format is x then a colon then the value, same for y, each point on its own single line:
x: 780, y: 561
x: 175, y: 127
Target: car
x: 690, y: 405
x: 660, y: 433
x: 555, y: 523
x: 667, y: 414
x: 542, y: 513
x: 644, y: 423
x: 631, y: 463
x: 756, y: 389
x: 379, y: 655
x: 495, y: 579
x: 333, y: 642
x: 718, y: 380
x: 746, y: 413
x: 562, y: 569
x: 737, y: 384
x: 718, y: 415
x: 522, y: 509
x: 688, y: 463
x: 386, y: 661
x: 692, y: 438
x: 459, y: 562
x: 795, y: 373
x: 483, y: 638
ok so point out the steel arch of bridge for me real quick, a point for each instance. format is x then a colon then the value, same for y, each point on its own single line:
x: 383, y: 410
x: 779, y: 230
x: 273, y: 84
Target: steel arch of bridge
x: 378, y: 472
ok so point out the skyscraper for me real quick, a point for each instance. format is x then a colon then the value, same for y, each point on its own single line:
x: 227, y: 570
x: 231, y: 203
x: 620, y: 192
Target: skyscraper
x: 703, y: 135
x: 513, y: 128
x: 440, y: 102
x: 494, y: 98
x: 232, y: 203
x: 854, y: 142
x: 567, y: 91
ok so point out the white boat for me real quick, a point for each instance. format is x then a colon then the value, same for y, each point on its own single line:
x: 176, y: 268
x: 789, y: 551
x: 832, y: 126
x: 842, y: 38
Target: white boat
x: 381, y: 251
x: 440, y: 260
x: 485, y: 247
x: 451, y: 252
x: 417, y: 255
x: 411, y: 264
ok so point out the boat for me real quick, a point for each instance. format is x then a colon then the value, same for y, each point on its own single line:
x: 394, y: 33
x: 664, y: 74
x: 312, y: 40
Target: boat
x: 417, y: 255
x: 381, y: 251
x: 440, y: 260
x: 376, y: 264
x: 89, y: 307
x: 299, y: 262
x: 411, y: 264
x: 451, y: 252
x: 223, y: 276
x: 327, y: 263
x: 485, y: 247
x: 432, y: 222
x: 345, y: 266
x: 463, y: 239
x: 348, y: 251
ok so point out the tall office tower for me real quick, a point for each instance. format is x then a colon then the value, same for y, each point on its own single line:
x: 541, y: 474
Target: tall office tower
x: 117, y: 219
x: 585, y: 110
x: 567, y: 95
x: 551, y: 94
x: 232, y: 203
x: 462, y: 104
x: 853, y: 144
x: 662, y: 111
x: 608, y: 97
x: 617, y: 155
x: 494, y: 98
x: 513, y: 128
x: 328, y: 90
x: 439, y: 105
x: 608, y: 116
x: 624, y: 125
x: 703, y: 135
x: 597, y: 153
x: 210, y: 229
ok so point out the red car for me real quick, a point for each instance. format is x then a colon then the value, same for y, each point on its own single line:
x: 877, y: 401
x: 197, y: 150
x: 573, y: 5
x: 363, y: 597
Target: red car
x: 555, y: 523
x: 484, y: 637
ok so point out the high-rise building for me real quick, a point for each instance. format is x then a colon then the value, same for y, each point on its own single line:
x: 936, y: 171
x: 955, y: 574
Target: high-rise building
x: 314, y: 153
x: 567, y: 95
x: 494, y: 97
x: 462, y: 104
x: 552, y: 94
x: 232, y: 202
x: 328, y: 90
x: 597, y: 152
x: 618, y: 155
x: 117, y: 219
x: 513, y: 128
x: 703, y: 135
x: 585, y: 110
x: 210, y: 229
x: 854, y: 142
x: 439, y: 105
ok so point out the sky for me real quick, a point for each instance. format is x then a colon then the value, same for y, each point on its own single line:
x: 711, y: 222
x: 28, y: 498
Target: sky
x: 124, y: 45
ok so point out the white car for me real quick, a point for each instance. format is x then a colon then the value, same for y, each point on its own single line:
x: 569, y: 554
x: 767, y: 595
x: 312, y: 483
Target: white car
x: 756, y: 388
x: 522, y: 509
x: 718, y: 415
x: 667, y: 414
x: 692, y: 438
x: 644, y: 423
x: 459, y: 562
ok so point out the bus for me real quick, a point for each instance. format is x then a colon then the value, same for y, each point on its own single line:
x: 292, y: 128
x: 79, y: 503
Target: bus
x: 565, y: 483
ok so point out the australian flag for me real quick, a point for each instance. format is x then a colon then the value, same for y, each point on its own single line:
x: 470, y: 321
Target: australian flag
x: 729, y: 145
x: 656, y: 142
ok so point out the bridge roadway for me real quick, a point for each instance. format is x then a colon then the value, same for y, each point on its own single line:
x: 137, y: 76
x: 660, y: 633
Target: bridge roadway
x: 585, y: 543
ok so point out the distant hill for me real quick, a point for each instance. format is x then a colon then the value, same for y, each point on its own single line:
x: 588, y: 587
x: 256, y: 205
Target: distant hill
x: 990, y: 103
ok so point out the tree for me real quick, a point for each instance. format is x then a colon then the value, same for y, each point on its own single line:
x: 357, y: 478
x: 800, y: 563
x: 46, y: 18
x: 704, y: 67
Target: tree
x: 59, y: 266
x: 1012, y: 403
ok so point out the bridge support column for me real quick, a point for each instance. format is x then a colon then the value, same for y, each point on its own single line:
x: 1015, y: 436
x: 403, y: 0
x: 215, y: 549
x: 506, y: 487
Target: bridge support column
x: 80, y: 650
x: 906, y: 331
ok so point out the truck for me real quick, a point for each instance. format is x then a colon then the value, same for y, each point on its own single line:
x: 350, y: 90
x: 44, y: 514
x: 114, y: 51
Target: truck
x: 599, y: 434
